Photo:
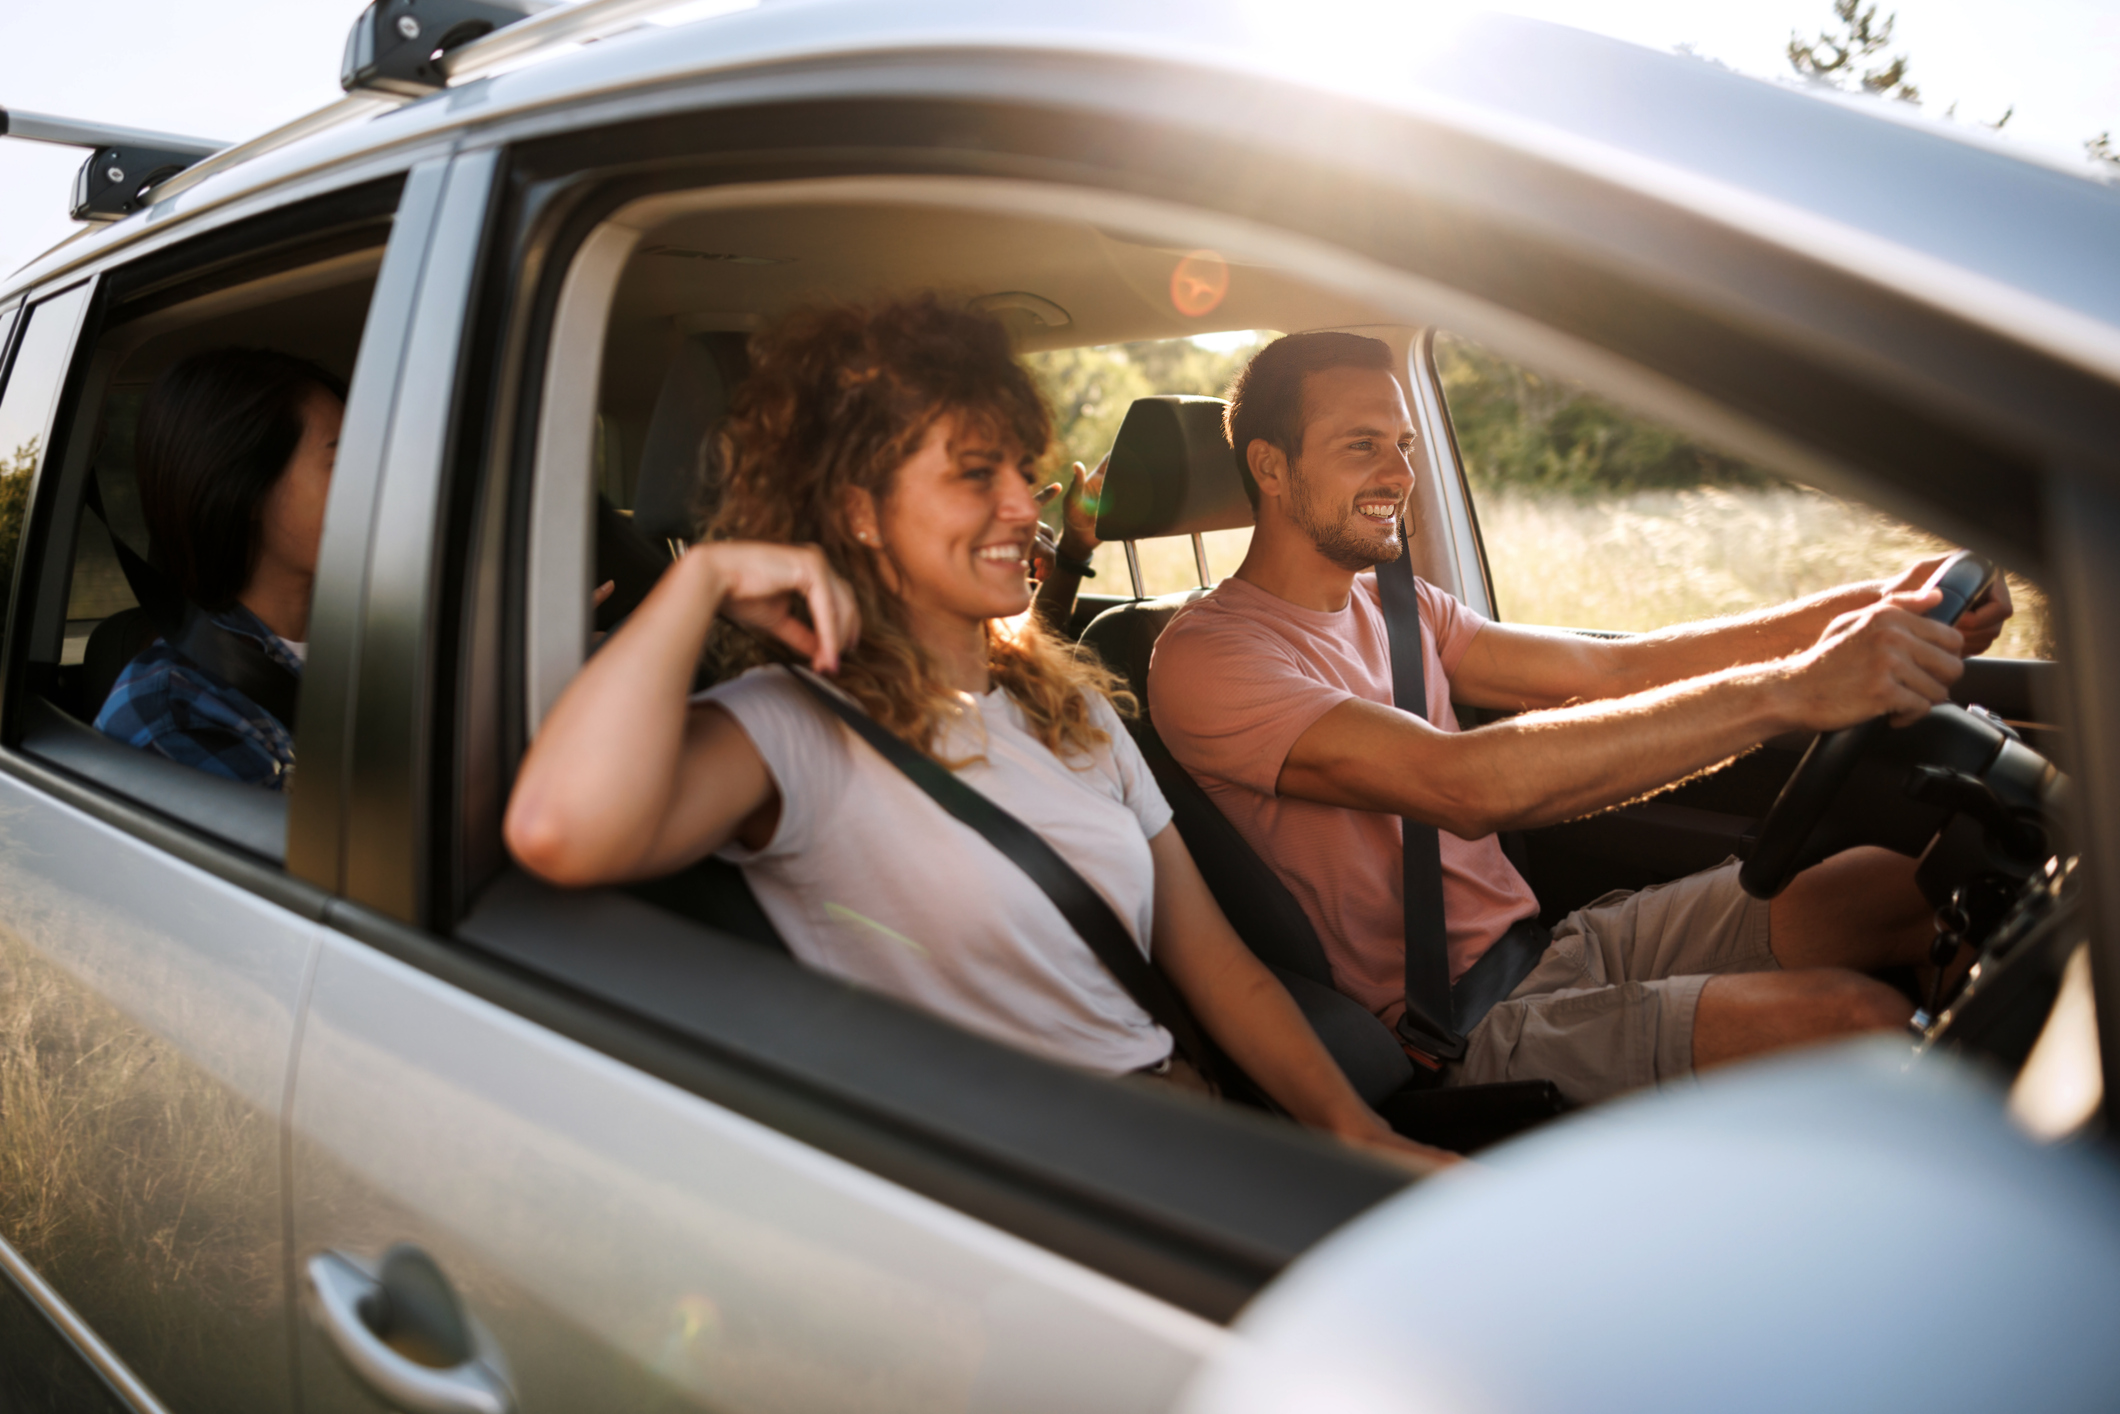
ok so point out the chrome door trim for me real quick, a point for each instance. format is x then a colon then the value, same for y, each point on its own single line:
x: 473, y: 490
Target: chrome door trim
x: 77, y: 1332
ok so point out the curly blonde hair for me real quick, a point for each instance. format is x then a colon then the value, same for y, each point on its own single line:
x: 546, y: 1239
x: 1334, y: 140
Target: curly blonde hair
x: 841, y: 396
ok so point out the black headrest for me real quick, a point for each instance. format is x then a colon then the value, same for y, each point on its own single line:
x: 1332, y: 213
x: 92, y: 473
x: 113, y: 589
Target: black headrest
x: 673, y: 495
x: 1171, y: 472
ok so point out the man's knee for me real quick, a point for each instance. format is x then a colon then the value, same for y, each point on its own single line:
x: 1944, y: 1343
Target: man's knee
x: 1743, y: 1014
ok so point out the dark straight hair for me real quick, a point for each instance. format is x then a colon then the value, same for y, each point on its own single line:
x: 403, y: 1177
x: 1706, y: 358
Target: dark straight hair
x: 217, y: 432
x: 1266, y: 399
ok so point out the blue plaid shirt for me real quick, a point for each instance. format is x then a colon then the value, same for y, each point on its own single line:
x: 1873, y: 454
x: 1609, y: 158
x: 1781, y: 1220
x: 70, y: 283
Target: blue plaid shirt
x: 165, y: 703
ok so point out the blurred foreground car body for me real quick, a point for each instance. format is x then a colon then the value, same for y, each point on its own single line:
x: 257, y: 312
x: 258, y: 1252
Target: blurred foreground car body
x: 271, y: 1056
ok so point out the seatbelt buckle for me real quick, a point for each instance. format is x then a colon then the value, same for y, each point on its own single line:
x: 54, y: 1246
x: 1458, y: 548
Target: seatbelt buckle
x: 1437, y: 1046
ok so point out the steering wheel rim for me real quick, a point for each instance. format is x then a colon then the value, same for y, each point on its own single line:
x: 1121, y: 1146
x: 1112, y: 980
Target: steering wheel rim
x: 1778, y: 850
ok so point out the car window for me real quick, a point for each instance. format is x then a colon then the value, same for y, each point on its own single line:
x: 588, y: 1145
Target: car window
x: 1090, y: 390
x: 39, y: 367
x: 1595, y: 517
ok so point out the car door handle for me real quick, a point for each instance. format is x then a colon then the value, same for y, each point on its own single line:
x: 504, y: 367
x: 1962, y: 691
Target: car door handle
x: 403, y: 1334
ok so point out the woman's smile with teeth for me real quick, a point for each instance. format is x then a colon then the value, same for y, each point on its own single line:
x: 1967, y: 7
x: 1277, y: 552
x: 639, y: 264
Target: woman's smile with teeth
x: 1011, y: 554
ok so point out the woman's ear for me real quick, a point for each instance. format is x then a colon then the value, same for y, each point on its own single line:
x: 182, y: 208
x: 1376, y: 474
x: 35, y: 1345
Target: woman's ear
x: 859, y: 507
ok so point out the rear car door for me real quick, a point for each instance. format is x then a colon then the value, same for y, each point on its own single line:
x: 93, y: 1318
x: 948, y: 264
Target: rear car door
x: 153, y: 944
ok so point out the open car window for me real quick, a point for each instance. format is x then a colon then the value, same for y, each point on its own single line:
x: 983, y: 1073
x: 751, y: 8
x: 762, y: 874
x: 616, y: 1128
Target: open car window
x: 287, y: 289
x: 1596, y: 517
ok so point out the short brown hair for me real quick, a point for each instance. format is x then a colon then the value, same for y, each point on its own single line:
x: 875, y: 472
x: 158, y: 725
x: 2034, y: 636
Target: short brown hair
x: 1266, y: 399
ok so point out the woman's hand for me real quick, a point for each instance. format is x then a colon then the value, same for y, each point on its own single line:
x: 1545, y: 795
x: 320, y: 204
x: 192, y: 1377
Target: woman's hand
x: 1422, y: 1160
x: 758, y: 586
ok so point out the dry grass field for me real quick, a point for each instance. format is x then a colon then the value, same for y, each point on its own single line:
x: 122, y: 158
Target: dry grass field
x: 1644, y: 559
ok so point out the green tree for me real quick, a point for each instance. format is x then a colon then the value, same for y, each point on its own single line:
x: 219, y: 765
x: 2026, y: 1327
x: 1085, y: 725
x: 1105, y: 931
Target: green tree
x: 1841, y: 56
x: 15, y: 477
x: 1525, y: 431
x: 1090, y: 389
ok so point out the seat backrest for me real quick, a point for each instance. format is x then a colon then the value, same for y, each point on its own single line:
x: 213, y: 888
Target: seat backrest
x: 1171, y: 473
x: 676, y: 490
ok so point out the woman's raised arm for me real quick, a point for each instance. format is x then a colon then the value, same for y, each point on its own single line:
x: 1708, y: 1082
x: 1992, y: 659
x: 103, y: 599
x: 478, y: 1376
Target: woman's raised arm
x: 627, y: 779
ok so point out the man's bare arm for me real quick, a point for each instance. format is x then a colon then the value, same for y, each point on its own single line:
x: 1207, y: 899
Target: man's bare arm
x: 1513, y: 669
x: 1554, y: 765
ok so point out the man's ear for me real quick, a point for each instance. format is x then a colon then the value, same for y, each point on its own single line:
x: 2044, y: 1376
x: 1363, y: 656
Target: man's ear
x: 1269, y: 466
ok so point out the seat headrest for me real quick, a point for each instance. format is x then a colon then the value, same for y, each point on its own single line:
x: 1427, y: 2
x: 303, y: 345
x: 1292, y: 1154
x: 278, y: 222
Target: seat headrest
x: 1171, y: 472
x: 673, y: 492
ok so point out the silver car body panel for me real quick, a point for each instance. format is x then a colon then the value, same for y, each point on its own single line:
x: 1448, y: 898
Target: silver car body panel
x: 151, y: 1011
x: 627, y: 1243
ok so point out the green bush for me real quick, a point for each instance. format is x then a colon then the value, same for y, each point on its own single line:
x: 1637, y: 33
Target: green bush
x: 1524, y: 431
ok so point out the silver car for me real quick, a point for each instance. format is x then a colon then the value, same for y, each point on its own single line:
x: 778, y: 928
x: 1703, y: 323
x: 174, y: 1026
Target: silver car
x: 313, y: 1101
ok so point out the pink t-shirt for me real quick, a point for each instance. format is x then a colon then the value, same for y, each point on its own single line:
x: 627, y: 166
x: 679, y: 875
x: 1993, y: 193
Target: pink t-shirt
x: 1240, y: 675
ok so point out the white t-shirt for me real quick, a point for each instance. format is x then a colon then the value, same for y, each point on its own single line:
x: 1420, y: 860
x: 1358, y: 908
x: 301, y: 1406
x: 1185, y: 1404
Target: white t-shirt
x: 868, y: 878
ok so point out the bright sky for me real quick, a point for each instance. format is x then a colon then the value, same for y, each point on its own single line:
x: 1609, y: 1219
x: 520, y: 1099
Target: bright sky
x: 230, y: 69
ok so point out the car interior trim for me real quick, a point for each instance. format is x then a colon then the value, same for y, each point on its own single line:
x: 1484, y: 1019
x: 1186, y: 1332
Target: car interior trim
x: 116, y: 1375
x: 556, y: 617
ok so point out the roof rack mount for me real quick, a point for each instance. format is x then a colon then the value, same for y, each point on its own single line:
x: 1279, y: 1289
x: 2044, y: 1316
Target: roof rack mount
x: 122, y: 162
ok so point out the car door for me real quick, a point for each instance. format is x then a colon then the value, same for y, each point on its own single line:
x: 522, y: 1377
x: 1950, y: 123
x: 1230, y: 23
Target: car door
x: 154, y: 947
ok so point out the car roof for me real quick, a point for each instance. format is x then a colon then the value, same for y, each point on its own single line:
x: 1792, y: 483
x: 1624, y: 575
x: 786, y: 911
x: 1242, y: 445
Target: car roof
x: 2020, y: 245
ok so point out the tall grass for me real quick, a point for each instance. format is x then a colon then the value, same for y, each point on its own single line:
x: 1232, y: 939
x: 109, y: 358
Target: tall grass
x: 1646, y: 559
x: 143, y: 1191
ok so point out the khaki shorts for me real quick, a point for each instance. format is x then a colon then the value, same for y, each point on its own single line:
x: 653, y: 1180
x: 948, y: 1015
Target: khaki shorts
x: 1610, y: 1005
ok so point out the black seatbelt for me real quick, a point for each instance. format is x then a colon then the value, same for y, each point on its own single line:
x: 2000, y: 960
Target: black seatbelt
x: 238, y: 661
x: 1081, y: 905
x: 1426, y: 1024
x: 1438, y: 1015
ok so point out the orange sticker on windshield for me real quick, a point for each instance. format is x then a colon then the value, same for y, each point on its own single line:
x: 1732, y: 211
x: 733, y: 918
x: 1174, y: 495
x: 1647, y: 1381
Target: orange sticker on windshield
x: 1199, y: 284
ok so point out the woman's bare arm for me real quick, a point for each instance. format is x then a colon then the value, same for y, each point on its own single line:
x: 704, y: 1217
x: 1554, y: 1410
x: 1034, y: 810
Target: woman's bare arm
x: 626, y: 778
x: 1252, y: 1017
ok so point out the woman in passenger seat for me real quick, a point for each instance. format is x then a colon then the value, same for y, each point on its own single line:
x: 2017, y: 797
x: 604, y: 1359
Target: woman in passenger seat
x: 876, y: 523
x: 234, y: 451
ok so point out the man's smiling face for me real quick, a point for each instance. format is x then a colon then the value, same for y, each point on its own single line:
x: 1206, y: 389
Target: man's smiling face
x: 1349, y: 484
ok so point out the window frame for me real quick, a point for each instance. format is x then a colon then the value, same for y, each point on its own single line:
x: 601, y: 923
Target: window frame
x: 234, y: 832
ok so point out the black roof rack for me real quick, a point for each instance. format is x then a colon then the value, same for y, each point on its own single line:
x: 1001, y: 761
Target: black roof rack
x: 122, y: 163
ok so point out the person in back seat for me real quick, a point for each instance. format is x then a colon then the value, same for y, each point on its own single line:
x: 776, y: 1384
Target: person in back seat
x: 1275, y: 691
x: 876, y: 523
x: 234, y: 451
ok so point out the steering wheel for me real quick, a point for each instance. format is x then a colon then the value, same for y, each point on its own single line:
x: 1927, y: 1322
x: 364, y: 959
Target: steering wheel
x: 1778, y: 853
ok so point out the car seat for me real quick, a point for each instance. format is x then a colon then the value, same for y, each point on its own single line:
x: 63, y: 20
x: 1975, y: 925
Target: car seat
x: 1172, y: 473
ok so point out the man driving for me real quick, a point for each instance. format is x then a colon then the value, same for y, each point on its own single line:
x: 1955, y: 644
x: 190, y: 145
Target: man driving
x: 1276, y: 692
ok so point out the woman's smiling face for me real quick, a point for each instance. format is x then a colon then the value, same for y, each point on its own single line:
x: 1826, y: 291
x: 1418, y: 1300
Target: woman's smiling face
x: 957, y: 528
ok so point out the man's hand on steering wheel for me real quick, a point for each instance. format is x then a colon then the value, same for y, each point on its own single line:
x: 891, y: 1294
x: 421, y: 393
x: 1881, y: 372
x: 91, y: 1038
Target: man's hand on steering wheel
x: 1982, y: 623
x: 1881, y: 661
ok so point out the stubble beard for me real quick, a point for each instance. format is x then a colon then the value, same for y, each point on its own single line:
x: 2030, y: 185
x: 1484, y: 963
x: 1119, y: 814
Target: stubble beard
x: 1337, y: 539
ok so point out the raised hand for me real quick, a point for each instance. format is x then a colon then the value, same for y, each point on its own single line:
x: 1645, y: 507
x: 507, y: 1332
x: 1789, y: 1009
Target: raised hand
x: 759, y: 585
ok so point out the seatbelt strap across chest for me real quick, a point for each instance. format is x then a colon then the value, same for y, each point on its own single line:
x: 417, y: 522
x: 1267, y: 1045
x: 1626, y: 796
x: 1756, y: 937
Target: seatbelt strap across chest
x: 1439, y: 1015
x: 1426, y: 1024
x: 1085, y: 910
